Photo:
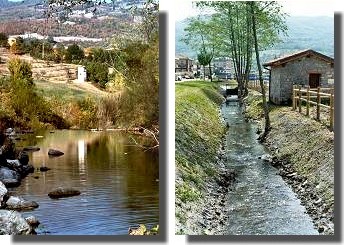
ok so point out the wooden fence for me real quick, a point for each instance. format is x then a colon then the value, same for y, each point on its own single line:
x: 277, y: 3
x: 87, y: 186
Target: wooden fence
x: 314, y: 97
x: 255, y: 85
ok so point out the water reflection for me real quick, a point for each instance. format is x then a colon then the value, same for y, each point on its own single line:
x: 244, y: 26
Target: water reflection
x: 117, y: 181
x: 81, y: 156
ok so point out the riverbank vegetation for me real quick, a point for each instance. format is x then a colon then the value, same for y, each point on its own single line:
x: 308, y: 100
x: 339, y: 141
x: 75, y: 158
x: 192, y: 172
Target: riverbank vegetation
x: 239, y: 30
x: 199, y: 131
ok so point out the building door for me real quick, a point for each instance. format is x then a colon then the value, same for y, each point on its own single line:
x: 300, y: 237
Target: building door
x: 314, y: 80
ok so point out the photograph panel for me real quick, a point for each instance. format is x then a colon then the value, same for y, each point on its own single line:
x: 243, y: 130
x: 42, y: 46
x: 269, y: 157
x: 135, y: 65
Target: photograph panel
x: 254, y: 118
x: 79, y: 117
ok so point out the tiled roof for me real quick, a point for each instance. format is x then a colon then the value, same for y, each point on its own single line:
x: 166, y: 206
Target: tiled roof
x: 298, y: 55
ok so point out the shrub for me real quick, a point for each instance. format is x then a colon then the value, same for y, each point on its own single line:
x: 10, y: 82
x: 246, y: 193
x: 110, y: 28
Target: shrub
x: 21, y: 105
x: 87, y: 117
x: 98, y: 73
x: 18, y: 47
x: 140, y: 95
x: 186, y: 193
x: 108, y: 110
x: 3, y: 40
x: 35, y: 48
x: 20, y: 70
x: 74, y: 53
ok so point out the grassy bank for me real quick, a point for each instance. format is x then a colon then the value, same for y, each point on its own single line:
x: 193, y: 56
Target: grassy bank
x: 303, y: 142
x: 199, y: 132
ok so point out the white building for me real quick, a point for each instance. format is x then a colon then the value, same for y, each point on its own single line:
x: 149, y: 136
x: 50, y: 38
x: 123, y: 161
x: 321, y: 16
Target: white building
x: 81, y: 74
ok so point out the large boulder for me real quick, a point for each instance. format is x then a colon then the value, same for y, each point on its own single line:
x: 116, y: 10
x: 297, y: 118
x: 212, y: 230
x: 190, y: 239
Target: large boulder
x: 11, y: 182
x: 9, y: 177
x: 6, y: 173
x: 18, y: 203
x: 12, y: 223
x: 3, y: 194
x: 21, y: 170
x: 14, y: 164
x: 63, y: 192
x: 53, y: 152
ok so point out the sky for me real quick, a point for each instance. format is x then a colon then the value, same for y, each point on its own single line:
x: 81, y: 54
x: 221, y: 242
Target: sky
x: 293, y: 7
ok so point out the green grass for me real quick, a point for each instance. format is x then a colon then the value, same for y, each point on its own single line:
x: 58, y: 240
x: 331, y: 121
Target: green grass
x: 62, y: 91
x: 199, y: 131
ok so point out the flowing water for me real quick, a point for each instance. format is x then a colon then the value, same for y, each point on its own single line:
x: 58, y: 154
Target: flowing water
x: 260, y: 202
x: 118, y: 182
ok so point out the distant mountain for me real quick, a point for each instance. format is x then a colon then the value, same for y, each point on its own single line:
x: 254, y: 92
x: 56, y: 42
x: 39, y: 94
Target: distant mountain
x: 6, y: 3
x: 315, y: 33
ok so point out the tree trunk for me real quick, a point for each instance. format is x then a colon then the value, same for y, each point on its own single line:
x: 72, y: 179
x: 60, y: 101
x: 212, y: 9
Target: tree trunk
x: 210, y: 72
x: 265, y: 106
x: 204, y: 72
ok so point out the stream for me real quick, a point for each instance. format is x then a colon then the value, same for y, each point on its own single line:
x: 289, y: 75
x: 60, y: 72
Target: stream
x: 260, y: 202
x: 118, y: 182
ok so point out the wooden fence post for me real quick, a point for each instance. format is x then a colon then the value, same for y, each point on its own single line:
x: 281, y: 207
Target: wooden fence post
x: 318, y: 103
x: 308, y: 101
x: 299, y: 98
x: 294, y: 99
x: 331, y: 110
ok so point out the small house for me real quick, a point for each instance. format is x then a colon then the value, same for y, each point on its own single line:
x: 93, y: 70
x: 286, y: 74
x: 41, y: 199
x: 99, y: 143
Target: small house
x: 305, y: 68
x: 81, y: 74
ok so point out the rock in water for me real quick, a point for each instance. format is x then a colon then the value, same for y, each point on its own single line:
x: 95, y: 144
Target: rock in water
x: 23, y: 157
x: 53, y: 152
x: 3, y: 194
x: 31, y: 148
x: 11, y: 182
x: 141, y: 230
x: 18, y: 203
x: 12, y: 223
x: 9, y: 177
x: 266, y: 158
x: 32, y: 221
x: 63, y: 192
x: 44, y: 169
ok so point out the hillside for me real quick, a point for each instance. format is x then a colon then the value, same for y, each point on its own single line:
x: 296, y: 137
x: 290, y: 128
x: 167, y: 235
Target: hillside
x: 303, y: 33
x: 102, y: 21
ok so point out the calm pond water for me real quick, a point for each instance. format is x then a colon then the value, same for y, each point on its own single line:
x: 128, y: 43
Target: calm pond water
x: 260, y: 202
x: 118, y: 183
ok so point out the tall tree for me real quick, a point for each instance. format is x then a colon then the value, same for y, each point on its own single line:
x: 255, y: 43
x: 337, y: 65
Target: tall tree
x: 150, y: 16
x: 201, y: 36
x: 267, y: 23
x: 263, y: 92
x: 233, y: 29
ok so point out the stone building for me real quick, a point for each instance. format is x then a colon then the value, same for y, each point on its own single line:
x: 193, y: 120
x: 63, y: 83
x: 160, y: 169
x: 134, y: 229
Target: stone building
x: 306, y: 68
